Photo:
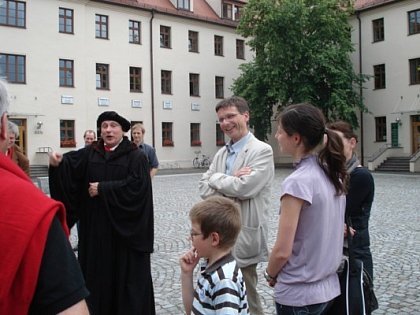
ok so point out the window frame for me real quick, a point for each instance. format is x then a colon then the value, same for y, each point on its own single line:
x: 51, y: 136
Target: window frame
x: 378, y: 28
x: 379, y: 73
x: 380, y: 129
x: 62, y: 21
x: 237, y: 12
x: 219, y: 84
x: 103, y: 76
x: 19, y: 7
x: 194, y: 84
x: 135, y: 74
x: 167, y: 134
x: 134, y: 28
x: 181, y: 5
x: 66, y: 140
x: 20, y: 62
x: 99, y: 31
x: 240, y: 49
x: 220, y: 136
x: 165, y: 36
x: 195, y: 140
x: 192, y: 41
x: 413, y: 26
x: 414, y: 65
x: 166, y: 82
x: 65, y: 71
x: 218, y: 45
x: 227, y: 10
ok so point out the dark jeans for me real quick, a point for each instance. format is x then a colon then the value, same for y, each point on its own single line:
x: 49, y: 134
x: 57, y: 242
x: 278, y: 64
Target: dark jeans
x: 361, y: 249
x: 314, y: 309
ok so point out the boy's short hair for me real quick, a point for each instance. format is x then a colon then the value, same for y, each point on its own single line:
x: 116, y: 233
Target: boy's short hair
x: 218, y: 214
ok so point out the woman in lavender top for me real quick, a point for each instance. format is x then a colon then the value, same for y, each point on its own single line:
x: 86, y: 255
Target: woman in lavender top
x: 308, y: 248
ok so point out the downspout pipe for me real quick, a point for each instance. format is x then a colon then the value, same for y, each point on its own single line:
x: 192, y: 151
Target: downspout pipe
x: 361, y: 91
x: 152, y: 79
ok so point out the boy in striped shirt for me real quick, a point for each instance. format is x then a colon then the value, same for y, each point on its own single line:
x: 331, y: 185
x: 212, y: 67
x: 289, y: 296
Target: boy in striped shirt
x: 215, y: 225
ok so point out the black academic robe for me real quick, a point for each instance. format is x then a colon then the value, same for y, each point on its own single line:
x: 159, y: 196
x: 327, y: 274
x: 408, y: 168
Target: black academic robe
x: 116, y: 227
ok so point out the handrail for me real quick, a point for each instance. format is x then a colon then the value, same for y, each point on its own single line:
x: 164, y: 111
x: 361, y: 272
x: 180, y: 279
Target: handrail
x: 378, y: 153
x: 415, y: 156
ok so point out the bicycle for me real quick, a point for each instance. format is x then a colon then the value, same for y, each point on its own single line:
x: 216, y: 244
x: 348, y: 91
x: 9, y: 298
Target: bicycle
x: 201, y: 162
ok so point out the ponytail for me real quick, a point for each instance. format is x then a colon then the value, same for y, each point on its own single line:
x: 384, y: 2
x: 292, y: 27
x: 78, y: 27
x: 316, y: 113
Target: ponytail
x: 333, y: 162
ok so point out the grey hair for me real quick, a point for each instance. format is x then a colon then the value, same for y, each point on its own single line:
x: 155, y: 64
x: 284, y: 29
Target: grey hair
x: 12, y: 127
x: 4, y: 98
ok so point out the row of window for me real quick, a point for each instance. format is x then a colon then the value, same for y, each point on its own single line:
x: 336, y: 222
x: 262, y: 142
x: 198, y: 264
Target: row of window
x: 378, y: 26
x: 193, y: 36
x: 380, y: 75
x: 12, y: 13
x: 68, y: 140
x: 13, y: 67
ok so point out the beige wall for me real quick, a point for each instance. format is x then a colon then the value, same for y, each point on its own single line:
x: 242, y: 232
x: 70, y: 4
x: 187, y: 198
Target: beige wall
x: 40, y: 98
x: 399, y: 99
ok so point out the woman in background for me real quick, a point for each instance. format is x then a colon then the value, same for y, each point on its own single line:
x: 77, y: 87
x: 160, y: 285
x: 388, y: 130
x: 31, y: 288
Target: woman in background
x: 359, y: 196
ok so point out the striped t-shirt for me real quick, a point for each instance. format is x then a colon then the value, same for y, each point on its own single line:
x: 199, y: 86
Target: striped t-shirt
x: 220, y: 289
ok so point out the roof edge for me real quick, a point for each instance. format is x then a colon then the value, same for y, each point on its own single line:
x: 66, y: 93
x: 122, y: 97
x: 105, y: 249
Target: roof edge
x: 175, y: 12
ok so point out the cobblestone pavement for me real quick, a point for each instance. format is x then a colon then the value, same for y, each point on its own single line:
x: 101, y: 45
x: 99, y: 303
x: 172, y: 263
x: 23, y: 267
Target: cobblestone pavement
x: 394, y: 231
x: 394, y: 237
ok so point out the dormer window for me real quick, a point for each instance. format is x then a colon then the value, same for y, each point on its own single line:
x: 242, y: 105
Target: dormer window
x: 231, y: 10
x: 184, y: 5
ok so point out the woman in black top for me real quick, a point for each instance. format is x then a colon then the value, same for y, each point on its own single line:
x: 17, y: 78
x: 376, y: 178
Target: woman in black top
x: 360, y: 195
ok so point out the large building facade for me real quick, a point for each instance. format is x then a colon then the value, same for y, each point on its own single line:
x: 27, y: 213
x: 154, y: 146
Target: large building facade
x: 167, y: 63
x: 164, y: 63
x: 386, y: 35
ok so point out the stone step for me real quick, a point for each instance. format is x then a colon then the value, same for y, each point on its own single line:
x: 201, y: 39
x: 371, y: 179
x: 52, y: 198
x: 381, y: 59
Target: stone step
x: 395, y: 164
x: 38, y: 170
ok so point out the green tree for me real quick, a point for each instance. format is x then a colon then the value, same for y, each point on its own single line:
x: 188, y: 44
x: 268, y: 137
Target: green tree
x: 302, y: 53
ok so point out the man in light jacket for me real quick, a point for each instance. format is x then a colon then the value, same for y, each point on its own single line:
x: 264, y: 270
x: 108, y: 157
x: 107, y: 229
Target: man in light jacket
x: 244, y: 171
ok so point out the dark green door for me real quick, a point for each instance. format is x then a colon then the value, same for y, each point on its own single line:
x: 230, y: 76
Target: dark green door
x: 394, y: 134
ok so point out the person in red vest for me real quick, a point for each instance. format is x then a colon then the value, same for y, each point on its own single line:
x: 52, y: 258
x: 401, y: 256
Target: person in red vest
x: 39, y: 273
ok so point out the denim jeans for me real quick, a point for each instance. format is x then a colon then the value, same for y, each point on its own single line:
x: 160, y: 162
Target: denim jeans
x: 314, y: 309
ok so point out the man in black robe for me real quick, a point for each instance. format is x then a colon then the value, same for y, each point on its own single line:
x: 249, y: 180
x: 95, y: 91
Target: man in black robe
x: 107, y: 187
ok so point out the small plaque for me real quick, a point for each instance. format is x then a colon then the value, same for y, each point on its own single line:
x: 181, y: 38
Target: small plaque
x: 167, y: 104
x: 195, y: 106
x: 103, y: 101
x: 67, y: 99
x: 136, y: 103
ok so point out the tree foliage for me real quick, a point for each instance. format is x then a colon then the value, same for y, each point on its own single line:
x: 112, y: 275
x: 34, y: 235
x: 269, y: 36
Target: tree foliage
x: 302, y: 53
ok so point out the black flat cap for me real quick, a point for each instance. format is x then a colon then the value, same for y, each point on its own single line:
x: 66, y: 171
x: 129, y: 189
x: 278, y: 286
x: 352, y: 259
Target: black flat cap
x: 111, y: 115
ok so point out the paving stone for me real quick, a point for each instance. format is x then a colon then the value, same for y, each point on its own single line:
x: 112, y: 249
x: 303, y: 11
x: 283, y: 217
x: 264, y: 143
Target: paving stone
x: 395, y: 240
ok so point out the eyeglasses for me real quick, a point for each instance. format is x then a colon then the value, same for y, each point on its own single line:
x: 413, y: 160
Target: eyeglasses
x: 192, y: 234
x: 228, y: 117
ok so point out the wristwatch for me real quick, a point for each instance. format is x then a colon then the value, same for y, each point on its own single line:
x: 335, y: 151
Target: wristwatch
x: 268, y: 277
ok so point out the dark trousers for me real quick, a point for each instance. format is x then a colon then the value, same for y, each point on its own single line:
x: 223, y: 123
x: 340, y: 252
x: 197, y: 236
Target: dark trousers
x: 314, y: 309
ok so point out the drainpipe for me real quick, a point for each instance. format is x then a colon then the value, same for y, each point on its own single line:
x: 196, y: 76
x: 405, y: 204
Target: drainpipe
x: 361, y: 91
x: 152, y: 78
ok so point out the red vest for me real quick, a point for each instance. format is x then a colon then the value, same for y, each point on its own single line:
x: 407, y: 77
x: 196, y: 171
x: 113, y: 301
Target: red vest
x: 25, y: 218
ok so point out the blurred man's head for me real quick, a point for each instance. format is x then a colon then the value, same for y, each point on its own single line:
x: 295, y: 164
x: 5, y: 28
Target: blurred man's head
x: 4, y: 106
x: 13, y: 131
x: 137, y: 133
x: 89, y: 137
